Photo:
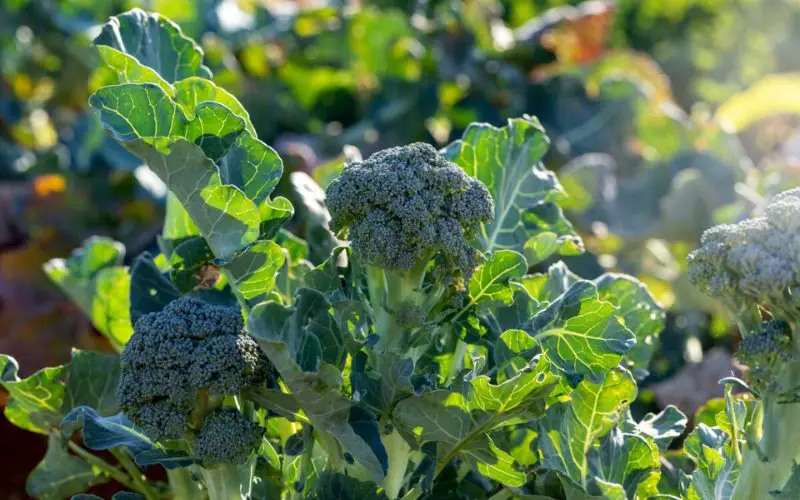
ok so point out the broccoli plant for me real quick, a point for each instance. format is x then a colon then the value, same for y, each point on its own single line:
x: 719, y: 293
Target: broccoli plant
x: 752, y: 268
x: 419, y: 357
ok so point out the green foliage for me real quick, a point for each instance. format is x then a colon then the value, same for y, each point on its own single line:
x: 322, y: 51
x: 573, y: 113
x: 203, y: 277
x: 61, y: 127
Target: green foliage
x: 438, y: 347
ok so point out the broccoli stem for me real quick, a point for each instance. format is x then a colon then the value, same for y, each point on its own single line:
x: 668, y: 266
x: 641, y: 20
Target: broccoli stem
x: 389, y: 292
x: 399, y: 452
x: 182, y: 486
x: 768, y: 471
x: 229, y: 481
x: 137, y: 476
x: 767, y: 468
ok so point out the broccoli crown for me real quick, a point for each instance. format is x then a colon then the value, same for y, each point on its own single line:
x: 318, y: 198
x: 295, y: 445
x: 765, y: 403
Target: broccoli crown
x: 765, y: 351
x: 226, y: 436
x: 407, y: 204
x: 754, y: 261
x: 190, y: 355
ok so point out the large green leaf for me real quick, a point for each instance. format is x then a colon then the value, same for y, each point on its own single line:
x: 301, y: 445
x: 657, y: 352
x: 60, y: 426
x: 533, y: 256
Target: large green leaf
x: 628, y: 460
x: 118, y: 432
x: 252, y: 272
x: 716, y: 472
x: 91, y: 380
x: 210, y: 162
x: 580, y: 333
x: 156, y: 42
x: 150, y: 289
x: 460, y: 419
x: 489, y: 283
x: 59, y: 474
x: 306, y: 346
x: 569, y: 430
x: 639, y: 311
x: 508, y: 161
x: 93, y: 277
x: 34, y: 403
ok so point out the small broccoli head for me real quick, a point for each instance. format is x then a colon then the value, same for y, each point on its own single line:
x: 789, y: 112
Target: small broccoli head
x: 226, y: 436
x: 183, y: 360
x: 756, y: 261
x: 765, y: 352
x: 406, y: 205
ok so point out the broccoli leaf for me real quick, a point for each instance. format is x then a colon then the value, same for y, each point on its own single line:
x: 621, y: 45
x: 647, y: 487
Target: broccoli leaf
x: 580, y: 333
x: 103, y: 433
x: 305, y: 345
x: 252, y: 273
x: 489, y: 283
x: 93, y: 277
x: 34, y: 403
x: 508, y: 161
x: 91, y: 380
x: 336, y: 486
x: 639, y: 311
x: 717, y: 472
x: 379, y: 389
x: 60, y: 474
x: 662, y: 427
x: 569, y: 430
x: 627, y: 460
x: 460, y: 419
x: 150, y: 290
x: 157, y: 43
x: 194, y: 135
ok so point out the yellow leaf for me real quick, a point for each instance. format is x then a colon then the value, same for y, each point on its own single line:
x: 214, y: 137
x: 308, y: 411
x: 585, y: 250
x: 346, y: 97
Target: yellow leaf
x: 772, y: 95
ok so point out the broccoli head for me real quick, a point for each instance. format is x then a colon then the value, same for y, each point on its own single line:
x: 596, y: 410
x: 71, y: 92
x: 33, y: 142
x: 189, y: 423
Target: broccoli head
x: 404, y: 206
x: 227, y: 437
x: 756, y: 261
x: 181, y: 362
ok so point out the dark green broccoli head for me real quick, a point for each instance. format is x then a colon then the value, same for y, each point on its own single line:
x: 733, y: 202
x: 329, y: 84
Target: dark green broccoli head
x: 226, y: 436
x: 408, y: 204
x: 183, y: 360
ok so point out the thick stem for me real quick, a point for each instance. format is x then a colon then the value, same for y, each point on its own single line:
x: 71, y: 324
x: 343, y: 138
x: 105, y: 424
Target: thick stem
x: 399, y: 452
x: 136, y: 475
x: 182, y: 486
x: 229, y: 481
x: 780, y: 446
x: 108, y: 469
x: 767, y: 469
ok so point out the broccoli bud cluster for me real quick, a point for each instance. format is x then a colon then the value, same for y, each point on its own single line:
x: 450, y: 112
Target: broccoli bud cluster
x: 756, y: 261
x: 227, y: 436
x: 182, y: 362
x: 406, y: 205
x: 765, y: 350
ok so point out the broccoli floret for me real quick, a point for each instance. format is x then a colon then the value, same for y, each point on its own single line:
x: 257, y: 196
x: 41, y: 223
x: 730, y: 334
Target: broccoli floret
x: 226, y: 436
x: 406, y: 205
x: 764, y: 352
x: 756, y: 261
x: 181, y: 362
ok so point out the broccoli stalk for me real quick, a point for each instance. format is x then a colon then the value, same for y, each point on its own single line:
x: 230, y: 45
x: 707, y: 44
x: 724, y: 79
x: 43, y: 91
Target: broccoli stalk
x: 182, y: 486
x: 181, y: 375
x: 750, y: 266
x: 410, y: 216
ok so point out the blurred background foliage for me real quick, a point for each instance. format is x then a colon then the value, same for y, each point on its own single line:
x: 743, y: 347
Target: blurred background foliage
x: 665, y: 118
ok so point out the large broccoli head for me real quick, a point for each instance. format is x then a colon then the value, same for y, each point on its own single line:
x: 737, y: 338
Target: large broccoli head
x: 756, y: 261
x: 181, y: 362
x: 406, y: 205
